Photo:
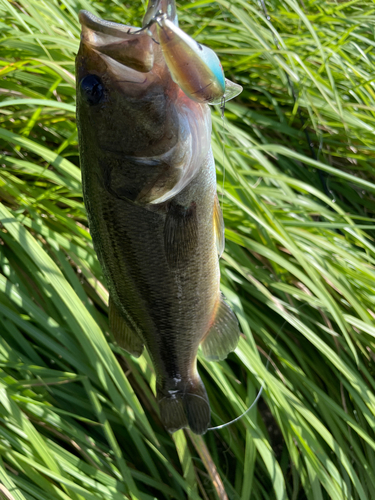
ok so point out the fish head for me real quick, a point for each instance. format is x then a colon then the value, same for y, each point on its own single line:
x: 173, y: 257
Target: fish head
x: 124, y: 90
x: 132, y: 114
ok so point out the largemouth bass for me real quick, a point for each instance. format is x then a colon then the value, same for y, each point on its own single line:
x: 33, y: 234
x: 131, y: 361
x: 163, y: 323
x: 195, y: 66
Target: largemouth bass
x: 149, y: 187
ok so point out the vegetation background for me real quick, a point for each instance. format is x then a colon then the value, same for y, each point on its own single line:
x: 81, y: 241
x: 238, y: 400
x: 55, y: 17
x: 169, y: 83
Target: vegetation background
x: 78, y: 418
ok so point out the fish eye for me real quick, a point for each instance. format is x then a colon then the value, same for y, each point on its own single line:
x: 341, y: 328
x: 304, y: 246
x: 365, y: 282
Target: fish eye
x: 92, y: 88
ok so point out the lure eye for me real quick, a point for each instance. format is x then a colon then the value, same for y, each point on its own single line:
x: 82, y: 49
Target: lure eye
x: 92, y: 88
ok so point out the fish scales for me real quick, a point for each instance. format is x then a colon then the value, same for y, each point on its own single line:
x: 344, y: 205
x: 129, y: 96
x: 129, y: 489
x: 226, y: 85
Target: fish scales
x: 149, y: 187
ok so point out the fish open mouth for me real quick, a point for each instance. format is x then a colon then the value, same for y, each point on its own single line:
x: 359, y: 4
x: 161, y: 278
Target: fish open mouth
x: 118, y: 42
x: 196, y: 69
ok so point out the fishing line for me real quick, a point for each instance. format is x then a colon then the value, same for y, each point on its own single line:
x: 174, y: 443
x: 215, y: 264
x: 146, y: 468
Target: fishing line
x: 269, y: 358
x: 224, y: 134
x: 326, y: 190
x: 222, y: 109
x: 217, y: 427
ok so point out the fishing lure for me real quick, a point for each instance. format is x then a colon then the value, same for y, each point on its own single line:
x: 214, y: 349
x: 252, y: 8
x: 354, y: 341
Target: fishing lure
x: 194, y: 67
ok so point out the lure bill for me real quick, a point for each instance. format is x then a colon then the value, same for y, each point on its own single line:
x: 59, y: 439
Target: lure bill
x: 149, y: 188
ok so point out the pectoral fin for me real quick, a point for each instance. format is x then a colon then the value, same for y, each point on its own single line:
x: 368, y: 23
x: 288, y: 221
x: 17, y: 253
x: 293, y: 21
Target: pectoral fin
x: 219, y: 227
x: 124, y: 335
x: 180, y: 234
x: 222, y: 338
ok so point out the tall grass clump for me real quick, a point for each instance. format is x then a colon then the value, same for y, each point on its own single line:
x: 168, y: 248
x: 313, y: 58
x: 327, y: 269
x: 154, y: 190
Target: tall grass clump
x: 78, y: 416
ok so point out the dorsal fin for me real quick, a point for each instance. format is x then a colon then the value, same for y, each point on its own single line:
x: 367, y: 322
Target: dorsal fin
x: 219, y: 227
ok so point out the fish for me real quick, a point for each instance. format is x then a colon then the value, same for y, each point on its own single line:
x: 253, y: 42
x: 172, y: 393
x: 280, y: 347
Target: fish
x: 149, y: 188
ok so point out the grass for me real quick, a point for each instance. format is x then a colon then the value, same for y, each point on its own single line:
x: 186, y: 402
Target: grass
x: 78, y: 416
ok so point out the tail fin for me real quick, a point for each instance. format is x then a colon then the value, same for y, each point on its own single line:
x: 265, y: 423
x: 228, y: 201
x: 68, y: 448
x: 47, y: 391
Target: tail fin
x: 185, y: 408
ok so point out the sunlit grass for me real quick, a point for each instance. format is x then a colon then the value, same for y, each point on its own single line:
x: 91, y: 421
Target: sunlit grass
x: 78, y: 416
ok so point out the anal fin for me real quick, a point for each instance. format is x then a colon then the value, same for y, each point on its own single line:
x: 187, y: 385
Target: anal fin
x: 219, y: 227
x: 223, y: 336
x: 123, y: 333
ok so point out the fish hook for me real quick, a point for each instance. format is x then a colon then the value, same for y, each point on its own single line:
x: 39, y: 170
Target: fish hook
x: 160, y: 15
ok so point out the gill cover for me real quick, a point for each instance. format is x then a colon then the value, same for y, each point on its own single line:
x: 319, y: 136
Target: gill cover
x: 195, y: 68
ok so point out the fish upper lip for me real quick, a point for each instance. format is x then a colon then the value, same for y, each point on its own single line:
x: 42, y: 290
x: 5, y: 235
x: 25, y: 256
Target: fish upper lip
x: 118, y: 42
x: 95, y: 23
